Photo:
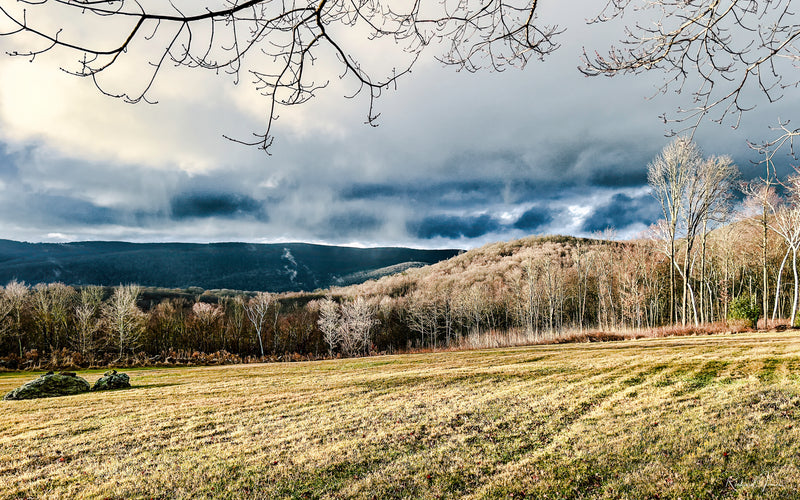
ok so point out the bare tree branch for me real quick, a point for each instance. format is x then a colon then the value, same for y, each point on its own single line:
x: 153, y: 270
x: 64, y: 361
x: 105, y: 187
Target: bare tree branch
x: 291, y: 33
x: 721, y: 49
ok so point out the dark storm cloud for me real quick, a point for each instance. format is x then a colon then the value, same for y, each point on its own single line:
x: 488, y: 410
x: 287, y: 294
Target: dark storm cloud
x: 512, y: 177
x: 76, y: 211
x: 449, y: 226
x: 356, y: 222
x: 229, y: 205
x: 619, y: 177
x: 623, y: 211
x: 445, y: 193
x: 534, y: 218
x: 596, y: 164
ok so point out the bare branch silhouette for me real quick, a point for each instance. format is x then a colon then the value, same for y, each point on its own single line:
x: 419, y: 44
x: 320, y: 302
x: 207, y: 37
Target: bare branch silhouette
x: 722, y: 51
x: 293, y: 34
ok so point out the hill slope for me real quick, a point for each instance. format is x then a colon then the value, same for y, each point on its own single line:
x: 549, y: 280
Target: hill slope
x: 241, y: 266
x: 491, y: 264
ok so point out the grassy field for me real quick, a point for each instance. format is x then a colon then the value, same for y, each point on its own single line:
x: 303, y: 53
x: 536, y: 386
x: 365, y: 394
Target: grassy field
x: 698, y: 417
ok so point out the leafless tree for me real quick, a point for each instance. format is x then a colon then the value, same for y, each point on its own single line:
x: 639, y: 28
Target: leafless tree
x: 358, y: 318
x: 125, y: 320
x: 88, y: 321
x: 235, y: 318
x: 786, y: 223
x: 668, y: 176
x: 784, y: 138
x: 256, y: 309
x: 52, y: 303
x: 17, y: 294
x: 206, y: 320
x: 6, y: 313
x: 423, y: 316
x: 583, y: 260
x: 330, y: 323
x: 691, y: 191
x: 606, y: 286
x: 275, y: 44
x: 760, y: 196
x: 707, y: 197
x: 717, y: 49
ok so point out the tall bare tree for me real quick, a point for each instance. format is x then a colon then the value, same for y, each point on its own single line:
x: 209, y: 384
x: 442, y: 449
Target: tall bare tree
x: 708, y: 192
x: 88, y: 321
x: 760, y: 197
x: 358, y: 318
x: 787, y: 224
x: 669, y: 176
x: 423, y: 316
x: 52, y: 304
x: 330, y: 323
x: 256, y: 309
x: 17, y: 294
x: 125, y: 320
x: 235, y: 318
x: 205, y: 320
x: 762, y: 189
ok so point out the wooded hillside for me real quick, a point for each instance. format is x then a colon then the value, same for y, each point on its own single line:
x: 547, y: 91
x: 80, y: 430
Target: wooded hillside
x: 536, y: 289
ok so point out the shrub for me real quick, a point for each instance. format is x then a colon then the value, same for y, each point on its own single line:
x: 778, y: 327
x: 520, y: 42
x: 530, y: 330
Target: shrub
x: 743, y: 307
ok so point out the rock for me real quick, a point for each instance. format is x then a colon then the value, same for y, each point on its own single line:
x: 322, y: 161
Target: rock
x: 112, y: 380
x: 50, y: 385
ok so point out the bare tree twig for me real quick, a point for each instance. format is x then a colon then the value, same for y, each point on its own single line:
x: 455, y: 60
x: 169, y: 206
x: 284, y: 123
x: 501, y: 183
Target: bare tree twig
x: 292, y: 33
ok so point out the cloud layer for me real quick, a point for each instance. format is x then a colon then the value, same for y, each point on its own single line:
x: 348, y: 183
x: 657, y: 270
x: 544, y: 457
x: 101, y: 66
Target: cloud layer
x: 457, y: 159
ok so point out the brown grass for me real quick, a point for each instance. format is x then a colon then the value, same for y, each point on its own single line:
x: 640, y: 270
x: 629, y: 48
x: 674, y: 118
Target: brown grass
x: 687, y: 417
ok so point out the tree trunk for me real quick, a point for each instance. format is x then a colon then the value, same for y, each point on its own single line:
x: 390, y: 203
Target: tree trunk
x: 703, y: 312
x: 778, y: 287
x: 672, y: 311
x: 765, y: 283
x: 794, y: 300
x: 686, y: 288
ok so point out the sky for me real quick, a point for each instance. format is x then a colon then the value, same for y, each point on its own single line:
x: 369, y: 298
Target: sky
x: 457, y: 159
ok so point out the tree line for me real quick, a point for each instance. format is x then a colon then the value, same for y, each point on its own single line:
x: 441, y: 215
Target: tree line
x: 704, y: 262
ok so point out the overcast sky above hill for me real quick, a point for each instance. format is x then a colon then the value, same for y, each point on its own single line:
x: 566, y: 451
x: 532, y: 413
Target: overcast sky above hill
x: 457, y: 159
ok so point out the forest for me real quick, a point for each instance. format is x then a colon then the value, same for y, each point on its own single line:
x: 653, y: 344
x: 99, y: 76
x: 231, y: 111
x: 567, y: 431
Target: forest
x: 709, y: 265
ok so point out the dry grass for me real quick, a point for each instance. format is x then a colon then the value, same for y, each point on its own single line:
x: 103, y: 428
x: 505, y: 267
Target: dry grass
x: 690, y: 417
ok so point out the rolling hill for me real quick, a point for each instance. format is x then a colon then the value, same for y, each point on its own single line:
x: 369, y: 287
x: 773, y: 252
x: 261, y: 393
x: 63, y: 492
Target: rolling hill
x: 279, y: 267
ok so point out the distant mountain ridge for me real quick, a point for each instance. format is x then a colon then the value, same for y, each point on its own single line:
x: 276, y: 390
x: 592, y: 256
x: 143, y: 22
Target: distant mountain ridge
x: 279, y: 267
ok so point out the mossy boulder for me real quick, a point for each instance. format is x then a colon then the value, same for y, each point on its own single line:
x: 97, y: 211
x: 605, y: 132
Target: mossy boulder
x: 112, y: 380
x: 50, y: 385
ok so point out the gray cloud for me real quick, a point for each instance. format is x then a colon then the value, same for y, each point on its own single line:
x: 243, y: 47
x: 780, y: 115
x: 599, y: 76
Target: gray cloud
x: 442, y: 193
x: 454, y: 227
x: 226, y: 205
x: 351, y: 223
x: 76, y: 211
x: 534, y: 219
x: 623, y: 211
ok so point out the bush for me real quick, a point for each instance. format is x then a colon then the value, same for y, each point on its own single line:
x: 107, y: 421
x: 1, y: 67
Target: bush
x: 743, y: 307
